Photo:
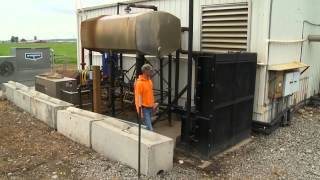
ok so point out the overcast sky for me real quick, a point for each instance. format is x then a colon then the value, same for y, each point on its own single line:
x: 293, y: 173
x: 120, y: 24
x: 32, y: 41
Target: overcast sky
x: 46, y: 19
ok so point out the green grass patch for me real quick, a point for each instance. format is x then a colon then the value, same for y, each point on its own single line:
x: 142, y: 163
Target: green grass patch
x: 65, y: 52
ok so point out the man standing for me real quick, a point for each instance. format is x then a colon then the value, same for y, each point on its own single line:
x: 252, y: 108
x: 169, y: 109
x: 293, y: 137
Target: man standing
x: 143, y: 93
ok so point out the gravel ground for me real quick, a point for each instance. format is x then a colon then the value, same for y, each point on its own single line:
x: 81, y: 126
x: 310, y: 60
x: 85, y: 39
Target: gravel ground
x: 291, y: 152
x: 30, y: 150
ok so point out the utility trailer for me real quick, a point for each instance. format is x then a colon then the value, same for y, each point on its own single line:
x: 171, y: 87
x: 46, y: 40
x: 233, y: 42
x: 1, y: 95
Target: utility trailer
x: 24, y: 64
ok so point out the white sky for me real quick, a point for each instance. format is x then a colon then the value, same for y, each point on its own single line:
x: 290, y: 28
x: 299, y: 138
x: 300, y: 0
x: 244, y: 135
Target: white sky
x: 46, y: 19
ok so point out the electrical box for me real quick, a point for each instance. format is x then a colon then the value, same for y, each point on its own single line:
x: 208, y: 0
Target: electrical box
x: 291, y: 83
x: 283, y: 83
x: 276, y: 84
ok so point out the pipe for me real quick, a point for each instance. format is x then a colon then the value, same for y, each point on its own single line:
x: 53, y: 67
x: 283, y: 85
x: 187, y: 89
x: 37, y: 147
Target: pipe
x: 80, y: 97
x: 112, y: 81
x: 132, y: 5
x: 286, y: 41
x: 90, y: 60
x: 118, y: 7
x: 139, y: 140
x: 169, y: 88
x: 176, y: 99
x: 83, y: 64
x: 121, y: 55
x: 268, y: 52
x: 161, y: 80
x: 176, y: 81
x: 189, y: 82
x: 96, y: 89
x: 314, y: 38
x: 140, y: 60
x: 121, y: 68
x: 302, y: 34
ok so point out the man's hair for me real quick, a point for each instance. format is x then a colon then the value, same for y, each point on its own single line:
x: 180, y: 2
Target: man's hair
x: 146, y: 67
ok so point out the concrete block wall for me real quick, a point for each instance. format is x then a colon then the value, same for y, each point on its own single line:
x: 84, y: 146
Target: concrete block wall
x: 9, y: 90
x: 45, y: 108
x: 119, y: 141
x: 41, y: 106
x: 112, y: 137
x: 76, y: 124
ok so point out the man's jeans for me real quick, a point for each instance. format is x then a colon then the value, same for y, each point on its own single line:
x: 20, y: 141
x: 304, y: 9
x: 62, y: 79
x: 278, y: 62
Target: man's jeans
x: 147, y: 113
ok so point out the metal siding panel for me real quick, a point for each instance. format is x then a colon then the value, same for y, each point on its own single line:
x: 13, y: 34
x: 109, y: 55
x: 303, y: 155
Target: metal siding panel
x: 295, y: 14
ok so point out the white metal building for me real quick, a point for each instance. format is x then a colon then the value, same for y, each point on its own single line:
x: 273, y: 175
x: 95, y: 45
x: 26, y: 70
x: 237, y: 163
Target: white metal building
x: 275, y: 29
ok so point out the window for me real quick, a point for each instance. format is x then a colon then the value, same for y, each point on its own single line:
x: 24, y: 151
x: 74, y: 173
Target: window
x: 224, y: 28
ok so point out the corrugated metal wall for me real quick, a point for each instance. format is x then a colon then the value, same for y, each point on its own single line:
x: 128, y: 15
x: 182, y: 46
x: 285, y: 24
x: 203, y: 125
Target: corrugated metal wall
x: 296, y: 12
x: 286, y: 24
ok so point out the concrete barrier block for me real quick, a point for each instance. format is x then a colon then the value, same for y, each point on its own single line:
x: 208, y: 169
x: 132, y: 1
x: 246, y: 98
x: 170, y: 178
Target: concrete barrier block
x: 22, y: 99
x: 76, y: 124
x: 19, y: 85
x: 45, y: 108
x: 8, y: 90
x: 119, y: 141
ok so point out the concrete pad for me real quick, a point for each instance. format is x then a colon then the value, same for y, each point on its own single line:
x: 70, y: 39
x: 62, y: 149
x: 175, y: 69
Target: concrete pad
x: 163, y: 127
x: 76, y: 124
x: 119, y: 141
x: 45, y: 108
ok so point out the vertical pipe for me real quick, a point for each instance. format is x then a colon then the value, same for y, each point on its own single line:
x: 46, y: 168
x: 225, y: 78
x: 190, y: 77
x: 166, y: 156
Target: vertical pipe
x: 122, y: 75
x: 96, y: 89
x: 112, y: 78
x: 118, y: 8
x: 121, y: 62
x: 91, y: 94
x: 161, y: 80
x: 90, y: 60
x: 189, y: 82
x: 80, y: 97
x: 139, y: 141
x: 169, y: 88
x: 267, y: 53
x: 83, y: 64
x: 176, y: 81
x: 140, y: 60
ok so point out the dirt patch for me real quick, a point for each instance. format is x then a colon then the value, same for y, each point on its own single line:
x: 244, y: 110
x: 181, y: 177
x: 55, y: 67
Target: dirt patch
x: 29, y: 149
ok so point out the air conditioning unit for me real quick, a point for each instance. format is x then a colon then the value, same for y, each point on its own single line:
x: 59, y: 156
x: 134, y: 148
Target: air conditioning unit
x: 24, y: 64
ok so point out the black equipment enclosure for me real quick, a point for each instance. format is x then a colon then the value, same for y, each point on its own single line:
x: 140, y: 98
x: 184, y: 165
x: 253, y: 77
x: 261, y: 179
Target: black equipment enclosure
x: 225, y: 86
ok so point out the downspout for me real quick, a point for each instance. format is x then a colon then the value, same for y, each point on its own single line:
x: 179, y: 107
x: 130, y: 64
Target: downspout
x: 189, y: 82
x: 267, y: 54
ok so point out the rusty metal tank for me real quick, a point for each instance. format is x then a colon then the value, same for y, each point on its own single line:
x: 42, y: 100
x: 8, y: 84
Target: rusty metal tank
x: 149, y: 33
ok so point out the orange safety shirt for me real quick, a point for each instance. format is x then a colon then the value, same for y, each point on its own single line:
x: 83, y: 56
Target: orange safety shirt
x: 144, y: 88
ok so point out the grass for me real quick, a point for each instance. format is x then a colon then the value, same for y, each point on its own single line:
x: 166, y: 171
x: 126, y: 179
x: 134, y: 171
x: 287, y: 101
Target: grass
x: 65, y: 52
